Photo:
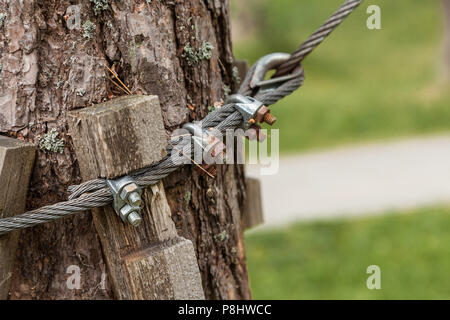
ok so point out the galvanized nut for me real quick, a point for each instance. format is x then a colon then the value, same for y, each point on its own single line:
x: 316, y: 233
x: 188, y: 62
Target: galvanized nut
x: 127, y: 199
x: 130, y: 214
x: 130, y: 194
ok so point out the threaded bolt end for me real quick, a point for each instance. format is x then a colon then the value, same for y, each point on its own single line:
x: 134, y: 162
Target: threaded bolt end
x: 135, y: 199
x: 134, y: 218
x: 269, y: 119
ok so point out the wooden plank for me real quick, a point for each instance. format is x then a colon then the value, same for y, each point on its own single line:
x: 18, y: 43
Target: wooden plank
x: 16, y: 163
x: 242, y: 67
x: 125, y: 146
x: 150, y: 261
x: 252, y: 213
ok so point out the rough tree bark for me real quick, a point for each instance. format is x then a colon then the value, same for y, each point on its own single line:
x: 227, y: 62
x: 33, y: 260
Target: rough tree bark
x: 48, y: 69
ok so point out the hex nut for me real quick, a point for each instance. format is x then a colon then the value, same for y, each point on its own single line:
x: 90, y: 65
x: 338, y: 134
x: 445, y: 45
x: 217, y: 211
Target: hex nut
x: 260, y: 114
x: 127, y: 190
x: 126, y: 210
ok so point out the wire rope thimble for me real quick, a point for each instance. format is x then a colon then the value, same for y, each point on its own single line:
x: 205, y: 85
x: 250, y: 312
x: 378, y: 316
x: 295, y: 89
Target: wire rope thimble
x: 271, y: 62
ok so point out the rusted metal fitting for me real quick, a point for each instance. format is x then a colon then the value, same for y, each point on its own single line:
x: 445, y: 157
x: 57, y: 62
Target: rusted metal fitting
x: 263, y: 115
x: 252, y: 110
x: 127, y: 199
x: 205, y: 140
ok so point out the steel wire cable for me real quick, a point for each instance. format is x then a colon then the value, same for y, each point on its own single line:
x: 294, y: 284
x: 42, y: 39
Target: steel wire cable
x: 95, y: 193
x: 317, y: 37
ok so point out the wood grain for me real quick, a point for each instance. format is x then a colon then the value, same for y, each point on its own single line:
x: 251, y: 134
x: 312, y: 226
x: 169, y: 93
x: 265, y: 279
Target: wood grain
x: 16, y: 161
x: 252, y: 213
x: 149, y: 261
x: 118, y: 136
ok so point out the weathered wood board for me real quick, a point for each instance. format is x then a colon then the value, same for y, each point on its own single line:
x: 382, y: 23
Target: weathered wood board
x: 149, y: 261
x: 242, y: 67
x: 252, y: 213
x: 16, y: 163
x: 118, y: 136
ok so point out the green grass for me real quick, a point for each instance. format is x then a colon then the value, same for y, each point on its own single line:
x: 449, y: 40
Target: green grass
x: 360, y: 84
x: 328, y: 260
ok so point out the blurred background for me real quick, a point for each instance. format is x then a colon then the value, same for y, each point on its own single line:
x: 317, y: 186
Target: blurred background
x: 365, y: 144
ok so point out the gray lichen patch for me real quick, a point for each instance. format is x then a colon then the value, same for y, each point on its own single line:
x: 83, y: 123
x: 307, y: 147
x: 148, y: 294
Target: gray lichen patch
x: 223, y: 236
x: 226, y: 90
x: 235, y: 75
x: 51, y: 143
x: 88, y: 30
x: 2, y: 19
x: 190, y: 54
x: 193, y: 56
x: 187, y: 197
x: 59, y: 84
x: 99, y: 5
x: 205, y: 51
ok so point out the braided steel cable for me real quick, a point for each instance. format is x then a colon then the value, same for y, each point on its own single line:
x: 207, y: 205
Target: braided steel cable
x: 269, y: 97
x: 317, y: 37
x: 55, y: 211
x: 96, y: 193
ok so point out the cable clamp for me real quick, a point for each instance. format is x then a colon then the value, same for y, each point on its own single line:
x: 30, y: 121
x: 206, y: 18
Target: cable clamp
x: 206, y: 141
x: 127, y: 199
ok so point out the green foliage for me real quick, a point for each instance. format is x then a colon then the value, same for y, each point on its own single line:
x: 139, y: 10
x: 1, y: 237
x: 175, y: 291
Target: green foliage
x: 328, y: 260
x: 51, y: 143
x: 360, y: 84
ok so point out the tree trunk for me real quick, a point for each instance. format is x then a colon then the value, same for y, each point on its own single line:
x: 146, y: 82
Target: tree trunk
x: 446, y: 4
x: 49, y: 68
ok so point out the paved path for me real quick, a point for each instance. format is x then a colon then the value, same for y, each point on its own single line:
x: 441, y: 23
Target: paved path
x: 357, y: 180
